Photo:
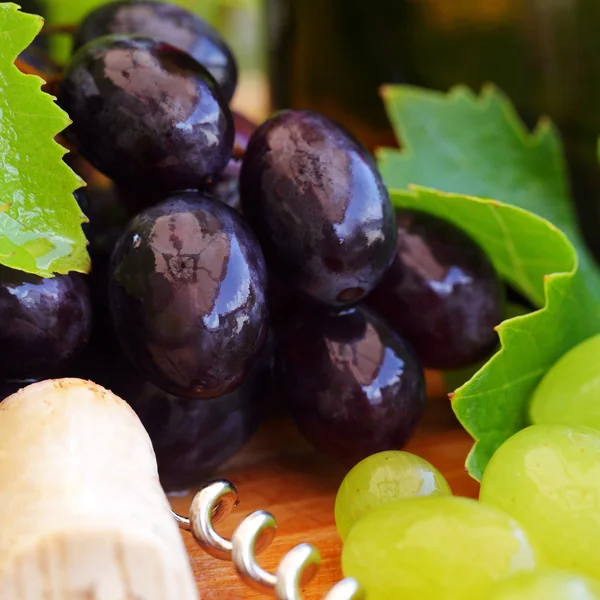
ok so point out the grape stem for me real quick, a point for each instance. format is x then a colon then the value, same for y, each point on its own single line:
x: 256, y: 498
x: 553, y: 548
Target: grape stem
x: 43, y: 57
x: 51, y: 81
x: 238, y: 153
x: 28, y: 69
x: 58, y: 29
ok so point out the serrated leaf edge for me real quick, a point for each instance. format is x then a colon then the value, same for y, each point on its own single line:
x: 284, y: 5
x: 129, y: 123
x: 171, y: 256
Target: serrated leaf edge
x: 479, y: 102
x: 64, y: 121
x: 549, y: 280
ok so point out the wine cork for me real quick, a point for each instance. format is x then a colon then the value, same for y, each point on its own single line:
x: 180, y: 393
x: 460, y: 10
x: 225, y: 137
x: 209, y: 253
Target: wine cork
x: 82, y: 512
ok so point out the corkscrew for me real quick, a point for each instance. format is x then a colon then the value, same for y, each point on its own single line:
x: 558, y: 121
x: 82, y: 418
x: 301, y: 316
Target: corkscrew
x: 213, y: 503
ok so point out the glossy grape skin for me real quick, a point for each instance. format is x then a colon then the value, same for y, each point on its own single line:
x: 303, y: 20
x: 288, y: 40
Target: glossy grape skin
x: 319, y: 207
x: 442, y: 293
x: 432, y: 548
x: 45, y: 323
x: 146, y: 113
x: 569, y: 393
x: 546, y: 585
x: 187, y: 296
x: 383, y: 478
x: 166, y: 23
x: 548, y: 478
x: 353, y: 386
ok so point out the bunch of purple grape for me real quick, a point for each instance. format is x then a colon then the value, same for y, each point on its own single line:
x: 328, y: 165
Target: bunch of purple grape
x: 228, y: 257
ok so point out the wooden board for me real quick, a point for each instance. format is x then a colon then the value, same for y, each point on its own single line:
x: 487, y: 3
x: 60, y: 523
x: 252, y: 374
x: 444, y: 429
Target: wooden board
x: 279, y: 472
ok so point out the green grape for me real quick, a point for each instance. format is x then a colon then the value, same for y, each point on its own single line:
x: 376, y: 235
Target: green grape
x: 546, y: 585
x: 548, y: 478
x: 383, y: 478
x: 569, y: 393
x: 443, y: 548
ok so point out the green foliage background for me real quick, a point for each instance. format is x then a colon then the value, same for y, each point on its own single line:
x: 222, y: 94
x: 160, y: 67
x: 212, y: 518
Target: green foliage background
x: 239, y: 21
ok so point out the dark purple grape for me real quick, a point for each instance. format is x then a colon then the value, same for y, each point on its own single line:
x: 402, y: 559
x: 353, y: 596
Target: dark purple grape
x: 318, y: 206
x: 166, y: 23
x: 44, y: 323
x: 192, y: 438
x: 354, y: 386
x: 103, y: 360
x: 272, y: 405
x: 226, y: 186
x: 442, y: 293
x: 287, y: 308
x: 146, y: 113
x: 187, y: 295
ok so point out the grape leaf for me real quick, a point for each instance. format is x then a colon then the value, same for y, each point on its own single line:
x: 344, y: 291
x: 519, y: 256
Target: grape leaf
x: 40, y: 221
x: 492, y: 405
x: 476, y: 145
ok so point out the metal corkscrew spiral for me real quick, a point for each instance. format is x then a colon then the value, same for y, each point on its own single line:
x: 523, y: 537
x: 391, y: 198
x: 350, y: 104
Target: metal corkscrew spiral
x: 213, y: 503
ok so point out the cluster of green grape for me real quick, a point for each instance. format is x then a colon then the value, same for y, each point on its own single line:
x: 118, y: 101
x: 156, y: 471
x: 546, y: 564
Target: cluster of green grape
x: 533, y: 534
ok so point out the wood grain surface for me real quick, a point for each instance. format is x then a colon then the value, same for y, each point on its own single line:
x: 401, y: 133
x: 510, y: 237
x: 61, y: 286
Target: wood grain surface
x: 279, y: 472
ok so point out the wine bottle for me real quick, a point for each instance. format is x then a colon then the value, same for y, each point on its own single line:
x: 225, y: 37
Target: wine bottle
x: 333, y: 55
